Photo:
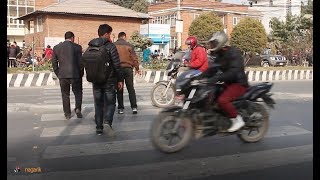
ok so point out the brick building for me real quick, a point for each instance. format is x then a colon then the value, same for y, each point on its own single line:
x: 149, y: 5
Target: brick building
x: 166, y: 13
x: 47, y: 24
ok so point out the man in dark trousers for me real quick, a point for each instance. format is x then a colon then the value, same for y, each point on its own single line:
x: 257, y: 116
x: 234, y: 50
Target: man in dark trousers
x: 66, y: 63
x: 128, y: 61
x: 105, y: 94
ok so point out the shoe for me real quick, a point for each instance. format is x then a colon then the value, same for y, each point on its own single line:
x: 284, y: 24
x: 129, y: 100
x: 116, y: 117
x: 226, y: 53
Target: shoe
x: 78, y: 113
x: 120, y: 111
x: 99, y: 132
x: 109, y: 129
x: 237, y: 123
x: 134, y: 110
x: 68, y: 116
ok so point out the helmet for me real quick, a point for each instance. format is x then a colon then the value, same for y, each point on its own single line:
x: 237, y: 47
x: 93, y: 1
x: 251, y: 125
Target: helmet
x: 191, y: 41
x: 217, y: 41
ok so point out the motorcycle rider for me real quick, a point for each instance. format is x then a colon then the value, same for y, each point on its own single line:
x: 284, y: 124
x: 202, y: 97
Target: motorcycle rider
x: 233, y: 76
x: 198, y: 62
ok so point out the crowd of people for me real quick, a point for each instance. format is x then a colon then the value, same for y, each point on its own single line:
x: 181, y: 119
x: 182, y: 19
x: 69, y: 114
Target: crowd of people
x: 22, y: 57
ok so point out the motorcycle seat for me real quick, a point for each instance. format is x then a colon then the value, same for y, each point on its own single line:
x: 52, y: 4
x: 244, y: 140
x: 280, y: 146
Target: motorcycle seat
x: 252, y: 89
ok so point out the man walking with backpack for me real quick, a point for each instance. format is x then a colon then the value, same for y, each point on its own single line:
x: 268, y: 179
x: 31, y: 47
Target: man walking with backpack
x: 102, y: 64
x: 66, y: 63
x: 128, y: 61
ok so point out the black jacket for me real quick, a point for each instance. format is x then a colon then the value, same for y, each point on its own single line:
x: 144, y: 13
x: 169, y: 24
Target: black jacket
x: 114, y: 56
x: 66, y: 60
x: 232, y: 66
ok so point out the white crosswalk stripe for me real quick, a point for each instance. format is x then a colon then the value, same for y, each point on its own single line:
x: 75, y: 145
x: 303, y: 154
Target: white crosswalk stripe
x: 56, y: 126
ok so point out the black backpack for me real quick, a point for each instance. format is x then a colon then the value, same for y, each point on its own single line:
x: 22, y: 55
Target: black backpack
x: 97, y: 64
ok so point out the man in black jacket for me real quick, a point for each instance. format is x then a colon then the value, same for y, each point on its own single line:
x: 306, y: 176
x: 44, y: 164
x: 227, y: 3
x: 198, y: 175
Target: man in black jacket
x: 105, y: 94
x: 66, y: 63
x: 233, y: 76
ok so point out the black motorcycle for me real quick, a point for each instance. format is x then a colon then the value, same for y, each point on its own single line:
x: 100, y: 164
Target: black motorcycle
x: 200, y: 115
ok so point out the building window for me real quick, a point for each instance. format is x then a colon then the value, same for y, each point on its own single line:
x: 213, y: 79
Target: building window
x: 22, y: 2
x: 12, y: 2
x: 29, y: 27
x: 235, y: 21
x: 195, y: 15
x: 31, y: 2
x: 173, y: 42
x: 271, y: 2
x: 39, y: 24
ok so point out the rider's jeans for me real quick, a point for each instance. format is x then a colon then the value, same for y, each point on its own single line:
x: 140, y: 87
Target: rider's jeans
x: 231, y: 93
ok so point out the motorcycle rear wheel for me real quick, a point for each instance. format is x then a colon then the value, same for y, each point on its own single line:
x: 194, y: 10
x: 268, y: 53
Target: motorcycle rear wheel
x: 246, y: 134
x: 161, y: 132
x: 161, y: 100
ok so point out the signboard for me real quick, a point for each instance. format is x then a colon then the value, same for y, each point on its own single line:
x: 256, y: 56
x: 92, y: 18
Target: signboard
x: 52, y: 41
x: 179, y: 26
x: 159, y: 33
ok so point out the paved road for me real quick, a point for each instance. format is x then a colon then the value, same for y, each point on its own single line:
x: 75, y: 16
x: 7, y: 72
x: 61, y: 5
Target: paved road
x: 39, y: 139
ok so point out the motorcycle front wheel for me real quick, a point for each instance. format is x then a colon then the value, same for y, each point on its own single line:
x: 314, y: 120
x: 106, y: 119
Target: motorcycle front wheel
x: 162, y: 98
x: 168, y: 139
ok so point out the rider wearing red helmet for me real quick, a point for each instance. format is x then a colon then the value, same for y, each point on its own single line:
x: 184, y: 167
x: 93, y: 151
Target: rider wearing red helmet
x: 199, y: 59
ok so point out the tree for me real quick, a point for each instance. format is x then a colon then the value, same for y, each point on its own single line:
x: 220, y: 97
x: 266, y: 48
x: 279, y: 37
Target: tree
x: 308, y: 8
x: 205, y: 25
x: 123, y: 3
x: 140, y: 41
x: 249, y: 36
x: 140, y: 6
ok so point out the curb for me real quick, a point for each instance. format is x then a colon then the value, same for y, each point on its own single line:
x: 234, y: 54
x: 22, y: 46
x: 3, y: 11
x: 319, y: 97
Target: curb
x: 49, y: 79
x: 283, y: 75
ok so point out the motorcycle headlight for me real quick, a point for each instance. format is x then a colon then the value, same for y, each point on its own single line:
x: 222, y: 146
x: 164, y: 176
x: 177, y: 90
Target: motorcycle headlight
x: 272, y: 58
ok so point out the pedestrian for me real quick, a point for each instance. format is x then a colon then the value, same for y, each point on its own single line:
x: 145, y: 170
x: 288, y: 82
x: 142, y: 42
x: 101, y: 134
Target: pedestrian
x: 103, y: 77
x: 12, y: 52
x: 128, y: 61
x: 66, y: 63
x: 48, y: 53
x: 146, y: 53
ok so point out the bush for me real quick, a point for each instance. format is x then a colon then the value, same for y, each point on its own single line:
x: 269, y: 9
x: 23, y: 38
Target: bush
x: 249, y: 36
x: 205, y: 25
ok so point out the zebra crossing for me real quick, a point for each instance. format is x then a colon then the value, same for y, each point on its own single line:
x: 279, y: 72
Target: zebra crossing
x: 75, y: 133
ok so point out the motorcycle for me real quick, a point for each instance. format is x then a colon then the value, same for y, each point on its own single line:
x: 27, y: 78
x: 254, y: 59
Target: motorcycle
x: 163, y: 93
x: 200, y: 115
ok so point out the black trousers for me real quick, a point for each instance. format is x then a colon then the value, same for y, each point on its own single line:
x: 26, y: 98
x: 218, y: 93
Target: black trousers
x: 104, y: 102
x: 128, y: 78
x: 76, y: 85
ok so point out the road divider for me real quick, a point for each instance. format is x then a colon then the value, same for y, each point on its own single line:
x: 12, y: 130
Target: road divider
x: 49, y: 78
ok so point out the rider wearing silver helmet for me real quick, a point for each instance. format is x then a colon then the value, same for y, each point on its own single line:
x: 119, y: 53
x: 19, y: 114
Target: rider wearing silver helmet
x: 233, y: 76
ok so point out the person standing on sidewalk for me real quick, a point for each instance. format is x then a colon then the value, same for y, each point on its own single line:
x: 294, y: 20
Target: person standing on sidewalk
x: 66, y: 63
x: 128, y: 61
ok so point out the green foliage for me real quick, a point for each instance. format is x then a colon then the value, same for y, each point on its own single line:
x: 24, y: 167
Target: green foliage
x: 140, y: 41
x: 308, y: 8
x: 249, y: 36
x: 205, y: 25
x: 140, y: 6
x: 136, y: 5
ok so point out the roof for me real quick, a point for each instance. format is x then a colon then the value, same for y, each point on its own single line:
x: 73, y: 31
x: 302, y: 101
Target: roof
x: 89, y: 7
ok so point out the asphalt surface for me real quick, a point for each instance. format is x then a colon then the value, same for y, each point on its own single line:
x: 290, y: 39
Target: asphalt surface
x: 45, y: 146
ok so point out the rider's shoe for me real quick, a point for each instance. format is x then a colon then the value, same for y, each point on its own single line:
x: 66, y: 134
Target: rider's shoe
x: 237, y: 123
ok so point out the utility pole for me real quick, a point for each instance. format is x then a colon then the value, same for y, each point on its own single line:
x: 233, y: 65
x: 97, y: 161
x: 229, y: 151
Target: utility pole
x: 33, y: 61
x: 179, y: 19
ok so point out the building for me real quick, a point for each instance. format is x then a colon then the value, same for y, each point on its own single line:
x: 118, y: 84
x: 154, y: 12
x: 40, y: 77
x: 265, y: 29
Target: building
x: 47, y: 25
x: 167, y: 13
x: 275, y: 8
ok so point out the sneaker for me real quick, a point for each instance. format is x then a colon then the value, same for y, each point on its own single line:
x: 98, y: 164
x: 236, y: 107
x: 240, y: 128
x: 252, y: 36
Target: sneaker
x: 120, y: 111
x: 109, y: 129
x: 99, y: 132
x: 78, y: 113
x: 134, y: 110
x: 237, y: 123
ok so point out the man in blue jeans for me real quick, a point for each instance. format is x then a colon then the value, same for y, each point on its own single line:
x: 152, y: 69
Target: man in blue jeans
x: 105, y: 94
